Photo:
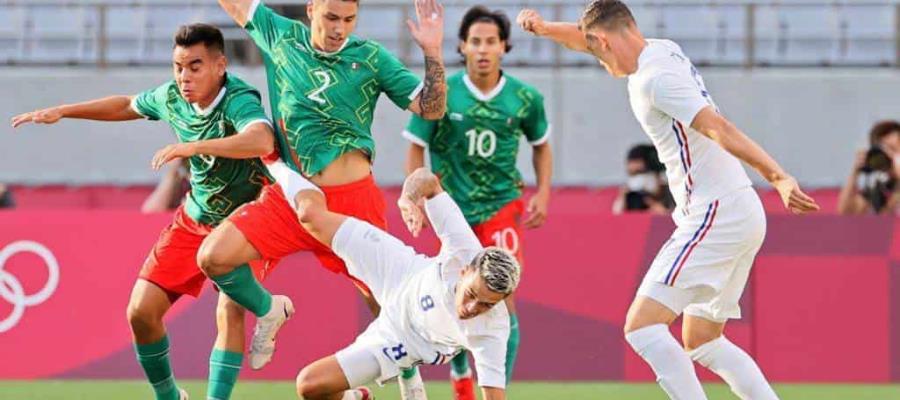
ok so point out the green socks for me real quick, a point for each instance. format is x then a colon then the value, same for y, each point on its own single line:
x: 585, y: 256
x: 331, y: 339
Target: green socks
x: 245, y: 290
x: 459, y: 365
x: 224, y: 367
x: 409, y: 373
x: 154, y: 359
x: 512, y: 346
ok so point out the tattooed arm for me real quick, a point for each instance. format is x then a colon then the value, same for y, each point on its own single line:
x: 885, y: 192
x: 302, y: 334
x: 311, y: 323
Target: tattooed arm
x: 431, y: 103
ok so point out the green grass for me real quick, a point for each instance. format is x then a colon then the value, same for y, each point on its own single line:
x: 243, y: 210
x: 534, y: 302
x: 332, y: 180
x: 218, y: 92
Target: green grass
x: 136, y: 390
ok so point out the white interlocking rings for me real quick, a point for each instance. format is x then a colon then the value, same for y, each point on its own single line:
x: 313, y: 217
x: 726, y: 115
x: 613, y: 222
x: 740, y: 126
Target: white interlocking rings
x: 11, y: 288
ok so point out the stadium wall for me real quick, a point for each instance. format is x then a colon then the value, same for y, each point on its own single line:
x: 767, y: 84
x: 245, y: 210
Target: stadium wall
x: 823, y: 304
x: 812, y: 120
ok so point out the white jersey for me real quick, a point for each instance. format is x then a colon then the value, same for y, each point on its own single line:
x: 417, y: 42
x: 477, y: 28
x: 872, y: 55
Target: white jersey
x: 666, y: 93
x: 418, y: 323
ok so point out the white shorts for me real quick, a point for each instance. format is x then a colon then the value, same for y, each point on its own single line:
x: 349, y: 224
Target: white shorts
x: 383, y: 263
x: 703, y: 268
x: 373, y: 256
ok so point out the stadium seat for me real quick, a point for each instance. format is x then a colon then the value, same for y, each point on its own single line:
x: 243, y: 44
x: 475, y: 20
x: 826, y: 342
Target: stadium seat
x: 868, y: 35
x: 125, y: 32
x: 60, y: 34
x: 12, y: 27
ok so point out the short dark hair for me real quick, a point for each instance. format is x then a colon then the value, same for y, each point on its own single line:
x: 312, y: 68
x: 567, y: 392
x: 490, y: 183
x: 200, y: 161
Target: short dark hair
x: 210, y: 36
x: 478, y: 14
x: 606, y: 14
x: 881, y: 129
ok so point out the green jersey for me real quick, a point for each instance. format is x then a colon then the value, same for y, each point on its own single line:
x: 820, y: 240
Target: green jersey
x: 324, y: 102
x: 474, y: 147
x: 218, y: 185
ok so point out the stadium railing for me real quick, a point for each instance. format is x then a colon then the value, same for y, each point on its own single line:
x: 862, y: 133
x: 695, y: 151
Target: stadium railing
x: 738, y: 33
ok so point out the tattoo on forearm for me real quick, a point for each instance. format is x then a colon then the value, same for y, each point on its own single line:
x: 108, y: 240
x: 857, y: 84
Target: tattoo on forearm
x: 433, y: 99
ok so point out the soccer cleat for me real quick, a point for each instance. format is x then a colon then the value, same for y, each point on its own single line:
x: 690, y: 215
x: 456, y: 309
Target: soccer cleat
x: 182, y: 395
x: 262, y: 345
x: 412, y: 389
x: 463, y: 388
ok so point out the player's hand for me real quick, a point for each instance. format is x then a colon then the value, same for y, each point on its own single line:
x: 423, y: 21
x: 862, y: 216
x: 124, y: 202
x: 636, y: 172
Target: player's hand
x: 412, y: 213
x: 531, y: 21
x: 537, y: 209
x: 429, y: 33
x: 45, y: 116
x: 793, y: 198
x: 171, y: 152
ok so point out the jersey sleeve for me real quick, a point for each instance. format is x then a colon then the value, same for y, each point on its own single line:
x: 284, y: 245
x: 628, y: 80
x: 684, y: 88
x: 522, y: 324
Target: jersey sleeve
x: 395, y: 80
x: 488, y: 347
x: 244, y: 110
x: 535, y: 125
x: 265, y: 27
x: 151, y: 104
x: 419, y: 130
x: 455, y: 234
x: 678, y: 97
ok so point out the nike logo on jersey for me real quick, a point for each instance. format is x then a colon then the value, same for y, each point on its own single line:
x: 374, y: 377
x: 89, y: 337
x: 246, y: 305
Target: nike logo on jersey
x: 456, y: 117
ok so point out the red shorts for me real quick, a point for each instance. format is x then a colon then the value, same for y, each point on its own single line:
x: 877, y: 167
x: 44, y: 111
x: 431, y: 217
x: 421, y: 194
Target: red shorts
x: 172, y: 264
x: 504, y: 229
x: 270, y: 224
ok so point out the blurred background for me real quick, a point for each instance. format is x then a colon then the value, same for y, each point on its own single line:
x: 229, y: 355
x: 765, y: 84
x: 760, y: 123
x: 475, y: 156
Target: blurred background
x: 816, y: 83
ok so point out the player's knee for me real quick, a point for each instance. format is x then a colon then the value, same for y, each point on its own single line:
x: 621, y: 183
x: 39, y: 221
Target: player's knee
x: 310, y: 206
x: 141, y: 318
x: 693, y: 340
x: 211, y: 260
x: 308, y: 387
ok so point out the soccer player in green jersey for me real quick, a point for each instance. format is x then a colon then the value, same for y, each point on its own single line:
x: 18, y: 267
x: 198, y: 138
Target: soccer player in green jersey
x: 324, y: 83
x: 474, y: 149
x: 222, y: 130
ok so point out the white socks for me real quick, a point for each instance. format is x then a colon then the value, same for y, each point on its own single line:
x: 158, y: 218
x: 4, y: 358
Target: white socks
x: 674, y: 369
x: 290, y: 181
x: 735, y: 367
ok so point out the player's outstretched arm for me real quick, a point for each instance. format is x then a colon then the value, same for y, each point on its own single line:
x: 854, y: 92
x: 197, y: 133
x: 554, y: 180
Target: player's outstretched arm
x: 239, y: 10
x: 113, y: 108
x: 712, y: 124
x: 563, y: 33
x: 431, y: 102
x: 419, y: 186
x: 542, y: 159
x: 257, y: 140
x: 415, y: 158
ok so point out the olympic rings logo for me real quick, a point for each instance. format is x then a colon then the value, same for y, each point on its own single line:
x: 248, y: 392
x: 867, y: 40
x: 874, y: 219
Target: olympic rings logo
x: 11, y: 288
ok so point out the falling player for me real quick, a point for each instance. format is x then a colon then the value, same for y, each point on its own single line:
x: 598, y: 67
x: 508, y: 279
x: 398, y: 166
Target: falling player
x: 324, y: 84
x: 473, y: 150
x: 720, y: 223
x: 432, y: 307
x: 223, y: 130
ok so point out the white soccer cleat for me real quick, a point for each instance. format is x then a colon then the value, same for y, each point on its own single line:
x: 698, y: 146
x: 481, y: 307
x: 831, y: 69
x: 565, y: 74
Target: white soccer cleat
x: 182, y: 395
x: 262, y: 345
x: 413, y: 388
x: 365, y: 393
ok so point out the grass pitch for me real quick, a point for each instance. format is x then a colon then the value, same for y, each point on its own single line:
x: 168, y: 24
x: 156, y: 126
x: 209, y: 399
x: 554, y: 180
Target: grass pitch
x: 138, y: 390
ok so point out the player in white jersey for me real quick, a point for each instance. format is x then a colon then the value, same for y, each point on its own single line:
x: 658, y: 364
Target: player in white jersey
x: 702, y: 270
x: 432, y: 307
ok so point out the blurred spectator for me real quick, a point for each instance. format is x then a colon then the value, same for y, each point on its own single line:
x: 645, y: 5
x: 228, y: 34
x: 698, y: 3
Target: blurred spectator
x: 6, y: 197
x: 171, y: 189
x: 646, y: 188
x: 872, y: 184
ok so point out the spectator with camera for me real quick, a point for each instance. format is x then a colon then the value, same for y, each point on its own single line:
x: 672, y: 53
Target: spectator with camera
x: 872, y: 184
x: 645, y: 189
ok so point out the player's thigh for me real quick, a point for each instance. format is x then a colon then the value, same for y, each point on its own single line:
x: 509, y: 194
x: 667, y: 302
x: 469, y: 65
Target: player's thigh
x: 373, y: 256
x: 226, y: 247
x: 322, y: 378
x: 503, y: 230
x: 646, y: 311
x: 359, y: 364
x: 725, y: 304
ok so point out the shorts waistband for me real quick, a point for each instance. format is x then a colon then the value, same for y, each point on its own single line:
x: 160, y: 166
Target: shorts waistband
x: 364, y: 183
